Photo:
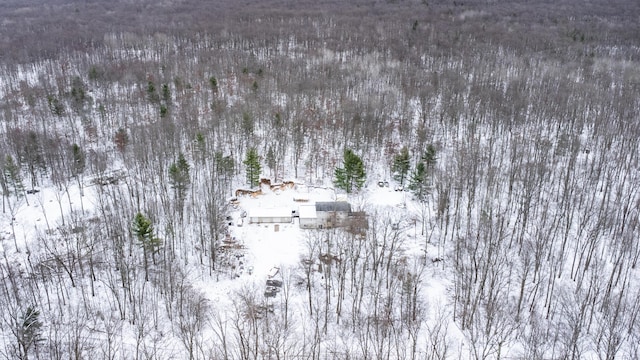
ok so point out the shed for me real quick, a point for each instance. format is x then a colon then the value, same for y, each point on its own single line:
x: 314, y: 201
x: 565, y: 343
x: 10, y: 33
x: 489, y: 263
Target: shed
x: 308, y: 216
x: 269, y: 215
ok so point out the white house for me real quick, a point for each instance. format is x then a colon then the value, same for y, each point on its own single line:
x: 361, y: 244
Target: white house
x: 269, y: 215
x: 307, y: 216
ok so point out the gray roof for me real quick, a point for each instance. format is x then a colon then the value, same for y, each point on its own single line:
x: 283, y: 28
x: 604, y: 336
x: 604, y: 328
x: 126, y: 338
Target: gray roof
x: 340, y: 206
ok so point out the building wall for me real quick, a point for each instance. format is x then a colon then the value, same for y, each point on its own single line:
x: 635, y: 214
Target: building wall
x: 269, y: 220
x: 330, y: 219
x: 308, y: 223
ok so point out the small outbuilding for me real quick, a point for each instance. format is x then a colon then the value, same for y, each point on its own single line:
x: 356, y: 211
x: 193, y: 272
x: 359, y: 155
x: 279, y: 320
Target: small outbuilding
x: 269, y: 215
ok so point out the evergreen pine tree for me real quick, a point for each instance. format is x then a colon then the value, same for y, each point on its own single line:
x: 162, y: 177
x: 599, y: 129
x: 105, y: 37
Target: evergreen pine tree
x: 56, y: 107
x: 12, y: 185
x: 213, y: 82
x: 418, y: 183
x: 200, y: 148
x: 224, y: 167
x: 78, y: 94
x: 5, y: 190
x: 248, y: 124
x: 94, y: 73
x: 252, y: 162
x: 429, y: 157
x: 179, y: 176
x: 422, y: 177
x: 143, y: 230
x: 151, y: 92
x: 78, y: 159
x: 29, y: 331
x: 164, y: 111
x: 352, y: 175
x: 166, y: 93
x: 271, y: 159
x: 400, y: 166
x: 12, y: 180
x: 32, y: 155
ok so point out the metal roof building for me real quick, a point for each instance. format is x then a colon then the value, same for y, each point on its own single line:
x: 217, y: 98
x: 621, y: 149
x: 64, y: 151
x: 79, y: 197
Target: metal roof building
x: 269, y: 215
x: 333, y: 206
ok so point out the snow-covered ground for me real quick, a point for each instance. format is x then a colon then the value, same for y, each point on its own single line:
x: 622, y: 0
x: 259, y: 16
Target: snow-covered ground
x: 527, y: 231
x: 265, y: 251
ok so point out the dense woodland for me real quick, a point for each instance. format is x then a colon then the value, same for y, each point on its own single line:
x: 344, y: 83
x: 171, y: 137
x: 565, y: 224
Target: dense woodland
x: 527, y: 112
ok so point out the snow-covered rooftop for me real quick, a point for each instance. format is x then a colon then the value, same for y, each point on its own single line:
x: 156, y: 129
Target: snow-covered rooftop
x: 259, y: 212
x: 307, y: 211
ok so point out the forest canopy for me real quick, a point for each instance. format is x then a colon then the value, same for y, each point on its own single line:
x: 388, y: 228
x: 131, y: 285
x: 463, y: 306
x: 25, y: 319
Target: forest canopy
x: 505, y: 133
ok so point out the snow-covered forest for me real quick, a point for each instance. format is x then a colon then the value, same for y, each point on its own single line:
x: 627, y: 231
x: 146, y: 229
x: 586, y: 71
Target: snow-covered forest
x: 511, y: 130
